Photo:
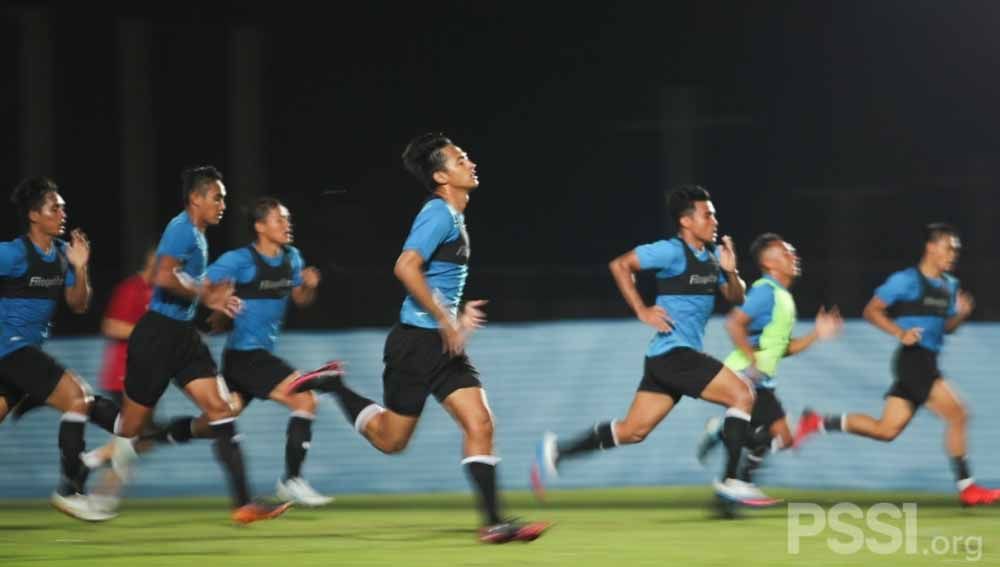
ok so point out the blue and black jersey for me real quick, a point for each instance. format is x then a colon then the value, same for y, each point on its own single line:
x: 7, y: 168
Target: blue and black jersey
x: 183, y: 241
x: 32, y: 281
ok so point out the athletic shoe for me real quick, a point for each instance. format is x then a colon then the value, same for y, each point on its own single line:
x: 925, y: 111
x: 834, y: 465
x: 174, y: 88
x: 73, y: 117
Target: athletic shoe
x: 123, y: 456
x: 975, y: 495
x: 298, y: 490
x: 512, y: 531
x: 742, y: 492
x: 80, y: 506
x: 255, y: 512
x: 93, y: 459
x: 809, y: 424
x: 544, y: 468
x: 326, y: 378
x: 710, y: 439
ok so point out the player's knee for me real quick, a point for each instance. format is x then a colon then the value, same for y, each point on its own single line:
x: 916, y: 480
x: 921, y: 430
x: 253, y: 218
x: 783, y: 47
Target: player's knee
x: 960, y: 417
x: 743, y: 399
x: 394, y: 445
x: 480, y: 429
x: 80, y: 405
x: 304, y: 401
x: 631, y: 434
x: 889, y: 432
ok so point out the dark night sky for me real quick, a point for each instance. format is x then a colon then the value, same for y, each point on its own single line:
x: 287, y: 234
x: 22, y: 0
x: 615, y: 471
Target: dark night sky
x: 844, y: 126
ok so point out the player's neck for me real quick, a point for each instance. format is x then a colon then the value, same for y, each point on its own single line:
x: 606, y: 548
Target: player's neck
x: 267, y: 247
x: 785, y: 281
x: 40, y: 239
x: 457, y: 198
x: 928, y: 269
x: 195, y: 220
x: 690, y: 240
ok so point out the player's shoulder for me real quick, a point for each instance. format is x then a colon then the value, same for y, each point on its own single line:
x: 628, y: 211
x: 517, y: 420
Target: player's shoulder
x: 241, y: 255
x: 905, y: 276
x: 665, y: 245
x: 13, y: 249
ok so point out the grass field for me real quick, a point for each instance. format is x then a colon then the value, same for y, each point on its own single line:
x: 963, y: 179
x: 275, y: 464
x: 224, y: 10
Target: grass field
x: 620, y: 527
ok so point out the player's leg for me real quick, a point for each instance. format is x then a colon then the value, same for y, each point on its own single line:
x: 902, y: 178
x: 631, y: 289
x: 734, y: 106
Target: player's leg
x: 469, y: 409
x: 298, y: 437
x: 946, y: 403
x: 729, y: 390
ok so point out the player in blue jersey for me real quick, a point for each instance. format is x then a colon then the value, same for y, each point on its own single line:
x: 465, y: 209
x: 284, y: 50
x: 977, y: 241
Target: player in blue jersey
x: 918, y: 306
x: 425, y: 351
x: 36, y: 271
x: 165, y: 345
x: 689, y: 271
x: 266, y: 274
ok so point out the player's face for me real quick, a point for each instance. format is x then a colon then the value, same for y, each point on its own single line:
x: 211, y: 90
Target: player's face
x: 51, y: 217
x: 277, y: 226
x: 944, y: 251
x: 212, y: 203
x: 702, y: 222
x: 787, y: 260
x: 459, y: 171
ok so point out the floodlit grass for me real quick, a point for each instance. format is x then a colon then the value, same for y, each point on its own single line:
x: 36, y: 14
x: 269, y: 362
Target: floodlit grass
x: 619, y: 527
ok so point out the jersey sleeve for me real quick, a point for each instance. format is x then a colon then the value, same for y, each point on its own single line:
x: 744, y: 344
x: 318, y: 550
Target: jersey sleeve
x: 297, y: 264
x: 228, y: 267
x: 11, y: 258
x: 759, y: 303
x: 177, y: 241
x: 430, y: 229
x: 900, y: 286
x: 659, y: 255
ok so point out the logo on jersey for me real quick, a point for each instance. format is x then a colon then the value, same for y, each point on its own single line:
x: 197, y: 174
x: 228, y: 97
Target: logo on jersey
x: 38, y: 281
x: 275, y: 284
x: 702, y: 280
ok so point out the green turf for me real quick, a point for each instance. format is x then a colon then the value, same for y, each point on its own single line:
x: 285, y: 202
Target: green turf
x: 617, y: 527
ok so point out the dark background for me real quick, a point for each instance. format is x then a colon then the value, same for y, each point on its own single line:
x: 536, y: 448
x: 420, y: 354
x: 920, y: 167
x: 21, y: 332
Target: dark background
x: 844, y: 126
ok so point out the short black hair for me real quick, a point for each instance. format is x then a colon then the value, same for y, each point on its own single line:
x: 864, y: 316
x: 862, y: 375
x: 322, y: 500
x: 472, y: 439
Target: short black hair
x: 29, y: 195
x: 761, y: 244
x: 261, y: 208
x: 681, y: 200
x: 423, y: 157
x: 195, y: 178
x: 935, y: 230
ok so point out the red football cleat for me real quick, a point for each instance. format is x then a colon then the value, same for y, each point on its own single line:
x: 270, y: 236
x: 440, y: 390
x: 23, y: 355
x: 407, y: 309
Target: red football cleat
x: 809, y: 424
x: 975, y: 495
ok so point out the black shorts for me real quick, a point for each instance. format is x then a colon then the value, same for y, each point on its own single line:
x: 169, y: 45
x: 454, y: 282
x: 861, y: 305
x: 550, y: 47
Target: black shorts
x: 916, y: 370
x: 766, y: 409
x: 161, y: 348
x: 680, y: 372
x: 415, y: 366
x: 253, y: 373
x: 30, y: 374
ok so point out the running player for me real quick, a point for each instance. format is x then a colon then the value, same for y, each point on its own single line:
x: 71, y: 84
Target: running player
x: 165, y: 344
x: 266, y: 274
x: 36, y: 270
x: 761, y: 329
x: 689, y: 272
x: 425, y: 351
x: 918, y: 306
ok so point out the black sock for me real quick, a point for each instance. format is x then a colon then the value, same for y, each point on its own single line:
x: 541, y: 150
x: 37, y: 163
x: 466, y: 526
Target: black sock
x: 961, y: 467
x: 103, y: 412
x: 483, y: 476
x: 599, y: 437
x: 735, y: 433
x: 351, y: 402
x: 227, y: 450
x: 754, y: 458
x: 71, y: 444
x: 832, y: 422
x: 177, y: 431
x: 298, y: 436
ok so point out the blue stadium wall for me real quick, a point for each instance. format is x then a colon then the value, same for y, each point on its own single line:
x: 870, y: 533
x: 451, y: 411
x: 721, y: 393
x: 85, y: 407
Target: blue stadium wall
x: 551, y: 376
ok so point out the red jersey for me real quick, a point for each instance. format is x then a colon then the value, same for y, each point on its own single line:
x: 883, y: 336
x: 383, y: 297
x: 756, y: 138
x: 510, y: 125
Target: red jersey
x: 129, y: 302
